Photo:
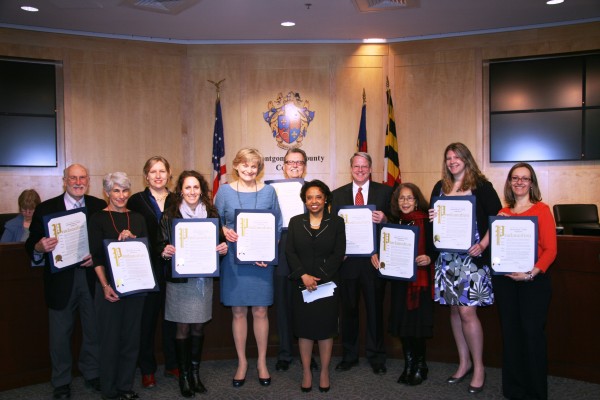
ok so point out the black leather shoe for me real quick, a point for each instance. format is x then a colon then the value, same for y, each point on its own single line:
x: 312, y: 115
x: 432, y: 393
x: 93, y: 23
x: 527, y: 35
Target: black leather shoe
x: 264, y: 381
x: 452, y: 380
x: 93, y: 384
x: 313, y: 365
x: 62, y: 392
x: 346, y: 365
x: 237, y: 383
x: 324, y: 389
x: 305, y: 390
x: 379, y: 369
x: 282, y: 365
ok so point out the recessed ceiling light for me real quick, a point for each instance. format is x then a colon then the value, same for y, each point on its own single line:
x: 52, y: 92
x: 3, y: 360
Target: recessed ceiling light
x: 288, y: 23
x: 29, y: 8
x: 552, y: 2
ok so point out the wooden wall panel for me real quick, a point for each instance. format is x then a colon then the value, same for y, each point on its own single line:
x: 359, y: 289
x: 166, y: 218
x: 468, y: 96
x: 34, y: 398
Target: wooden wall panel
x: 126, y: 101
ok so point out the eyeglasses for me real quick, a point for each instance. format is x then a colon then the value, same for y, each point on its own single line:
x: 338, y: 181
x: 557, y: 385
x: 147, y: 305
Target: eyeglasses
x: 359, y: 167
x: 409, y: 199
x: 524, y: 179
x: 289, y: 162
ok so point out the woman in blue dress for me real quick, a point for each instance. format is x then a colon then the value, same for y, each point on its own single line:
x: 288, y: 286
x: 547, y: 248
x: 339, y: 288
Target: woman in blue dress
x: 463, y: 280
x: 247, y: 286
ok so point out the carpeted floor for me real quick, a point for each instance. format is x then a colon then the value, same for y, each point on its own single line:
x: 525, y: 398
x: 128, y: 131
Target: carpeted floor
x: 358, y: 383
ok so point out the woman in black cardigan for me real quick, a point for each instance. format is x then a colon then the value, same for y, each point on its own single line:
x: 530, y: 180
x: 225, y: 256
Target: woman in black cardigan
x: 315, y: 250
x: 151, y: 203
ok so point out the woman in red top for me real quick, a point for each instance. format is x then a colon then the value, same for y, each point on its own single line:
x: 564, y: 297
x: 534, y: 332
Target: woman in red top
x: 523, y: 298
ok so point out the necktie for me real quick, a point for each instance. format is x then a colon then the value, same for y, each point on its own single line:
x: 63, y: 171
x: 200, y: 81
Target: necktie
x: 77, y: 205
x: 359, y: 200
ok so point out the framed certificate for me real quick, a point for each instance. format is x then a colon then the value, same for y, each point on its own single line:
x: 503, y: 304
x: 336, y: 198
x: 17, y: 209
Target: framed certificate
x: 288, y: 196
x: 398, y: 248
x: 70, y: 228
x: 513, y: 244
x: 257, y: 236
x: 454, y: 224
x: 195, y: 241
x: 360, y: 230
x: 130, y: 266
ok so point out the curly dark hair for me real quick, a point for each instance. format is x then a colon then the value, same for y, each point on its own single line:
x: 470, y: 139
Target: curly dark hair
x: 211, y: 210
x: 318, y: 184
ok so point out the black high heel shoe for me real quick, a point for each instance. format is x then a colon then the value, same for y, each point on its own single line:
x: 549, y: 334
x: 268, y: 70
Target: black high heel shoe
x: 452, y: 380
x: 324, y: 389
x: 477, y: 389
x: 237, y: 383
x: 263, y: 381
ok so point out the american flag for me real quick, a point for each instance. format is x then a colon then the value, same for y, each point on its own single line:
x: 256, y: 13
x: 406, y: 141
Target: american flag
x: 218, y: 154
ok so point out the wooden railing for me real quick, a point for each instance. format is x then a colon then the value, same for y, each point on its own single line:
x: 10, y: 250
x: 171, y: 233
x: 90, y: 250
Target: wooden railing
x: 573, y: 323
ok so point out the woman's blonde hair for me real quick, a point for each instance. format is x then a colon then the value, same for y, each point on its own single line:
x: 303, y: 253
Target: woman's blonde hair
x: 248, y: 155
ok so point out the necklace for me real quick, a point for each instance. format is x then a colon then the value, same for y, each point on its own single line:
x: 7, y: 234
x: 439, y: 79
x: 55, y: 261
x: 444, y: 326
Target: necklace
x: 237, y: 189
x: 160, y: 197
x: 115, y: 225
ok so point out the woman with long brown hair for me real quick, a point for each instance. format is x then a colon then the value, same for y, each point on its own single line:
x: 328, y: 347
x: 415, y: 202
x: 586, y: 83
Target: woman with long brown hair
x: 463, y: 279
x: 188, y: 300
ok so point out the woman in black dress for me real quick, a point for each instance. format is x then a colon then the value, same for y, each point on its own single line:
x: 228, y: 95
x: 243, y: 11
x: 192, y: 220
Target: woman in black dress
x: 119, y: 319
x: 315, y: 250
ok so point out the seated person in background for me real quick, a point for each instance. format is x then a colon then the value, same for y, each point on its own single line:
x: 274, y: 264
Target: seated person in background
x: 17, y: 229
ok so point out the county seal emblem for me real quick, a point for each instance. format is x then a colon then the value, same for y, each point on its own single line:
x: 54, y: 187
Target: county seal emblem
x: 288, y: 117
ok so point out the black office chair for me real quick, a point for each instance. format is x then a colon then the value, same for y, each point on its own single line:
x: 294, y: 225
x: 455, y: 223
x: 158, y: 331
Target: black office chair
x: 573, y: 217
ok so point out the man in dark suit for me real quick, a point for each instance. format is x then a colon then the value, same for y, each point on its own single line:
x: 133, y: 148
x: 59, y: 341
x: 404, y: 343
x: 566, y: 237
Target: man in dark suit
x: 357, y: 273
x: 69, y: 289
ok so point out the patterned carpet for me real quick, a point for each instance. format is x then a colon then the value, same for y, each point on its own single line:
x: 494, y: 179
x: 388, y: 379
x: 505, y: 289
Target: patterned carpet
x: 358, y: 383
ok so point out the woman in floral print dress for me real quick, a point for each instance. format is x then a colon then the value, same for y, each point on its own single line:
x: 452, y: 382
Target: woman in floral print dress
x: 463, y: 280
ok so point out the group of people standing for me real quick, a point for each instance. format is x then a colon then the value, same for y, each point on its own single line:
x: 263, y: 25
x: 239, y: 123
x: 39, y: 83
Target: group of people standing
x: 312, y: 253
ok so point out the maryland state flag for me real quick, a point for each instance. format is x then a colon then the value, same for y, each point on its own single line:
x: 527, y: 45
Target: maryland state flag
x: 361, y: 142
x: 391, y: 172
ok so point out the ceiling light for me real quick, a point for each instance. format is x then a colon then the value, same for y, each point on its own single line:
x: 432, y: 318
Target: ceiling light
x: 374, y: 40
x: 288, y: 23
x: 29, y: 8
x: 552, y: 2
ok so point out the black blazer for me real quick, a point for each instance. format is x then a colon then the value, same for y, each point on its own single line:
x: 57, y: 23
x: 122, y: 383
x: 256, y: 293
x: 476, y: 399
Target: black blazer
x: 379, y: 196
x: 318, y: 253
x: 58, y: 286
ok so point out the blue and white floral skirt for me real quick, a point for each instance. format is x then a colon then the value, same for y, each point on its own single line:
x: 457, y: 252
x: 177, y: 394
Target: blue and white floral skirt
x: 459, y: 282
